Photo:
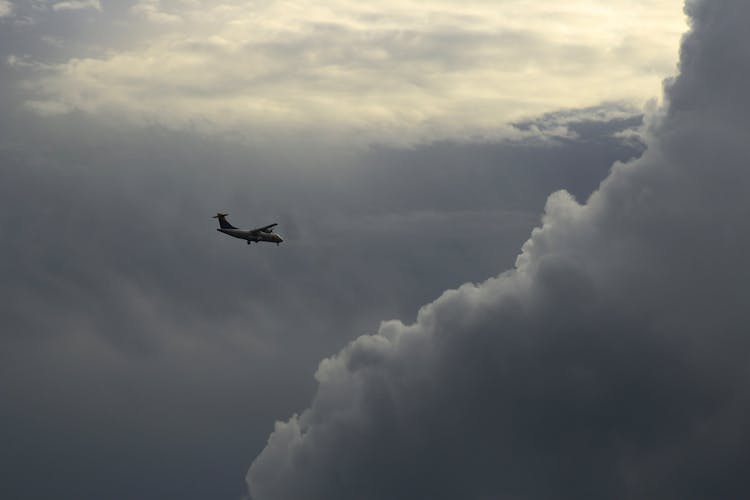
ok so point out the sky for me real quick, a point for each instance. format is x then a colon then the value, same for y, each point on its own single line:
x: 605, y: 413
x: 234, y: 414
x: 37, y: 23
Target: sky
x: 513, y: 263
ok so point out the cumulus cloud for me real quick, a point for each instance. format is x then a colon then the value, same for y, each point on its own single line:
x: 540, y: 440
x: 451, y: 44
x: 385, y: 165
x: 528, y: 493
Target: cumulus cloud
x: 610, y: 363
x: 155, y: 334
x: 395, y: 71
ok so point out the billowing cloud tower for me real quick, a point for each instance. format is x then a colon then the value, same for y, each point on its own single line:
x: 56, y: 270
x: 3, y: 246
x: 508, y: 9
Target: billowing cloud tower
x: 612, y: 362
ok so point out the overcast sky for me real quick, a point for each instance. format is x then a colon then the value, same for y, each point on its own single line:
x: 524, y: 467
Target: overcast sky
x: 407, y: 150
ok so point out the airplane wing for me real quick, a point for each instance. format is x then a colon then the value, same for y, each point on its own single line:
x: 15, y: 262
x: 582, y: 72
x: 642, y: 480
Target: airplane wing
x: 264, y: 229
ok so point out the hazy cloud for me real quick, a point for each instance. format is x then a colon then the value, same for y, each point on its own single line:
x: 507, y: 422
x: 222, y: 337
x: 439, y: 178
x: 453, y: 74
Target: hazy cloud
x: 610, y: 363
x: 6, y: 8
x: 78, y: 5
x: 137, y: 341
x: 152, y: 11
x: 395, y: 72
x: 142, y: 354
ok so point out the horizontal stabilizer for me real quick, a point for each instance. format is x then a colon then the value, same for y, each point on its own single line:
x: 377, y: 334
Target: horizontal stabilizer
x: 223, y: 223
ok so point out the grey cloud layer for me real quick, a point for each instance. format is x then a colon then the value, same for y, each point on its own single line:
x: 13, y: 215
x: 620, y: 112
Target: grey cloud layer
x: 143, y: 355
x: 610, y: 363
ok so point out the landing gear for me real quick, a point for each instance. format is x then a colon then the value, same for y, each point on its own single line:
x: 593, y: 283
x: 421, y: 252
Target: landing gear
x: 248, y: 242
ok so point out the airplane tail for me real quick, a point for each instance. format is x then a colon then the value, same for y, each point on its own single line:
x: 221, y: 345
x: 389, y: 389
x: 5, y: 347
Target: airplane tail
x: 223, y: 223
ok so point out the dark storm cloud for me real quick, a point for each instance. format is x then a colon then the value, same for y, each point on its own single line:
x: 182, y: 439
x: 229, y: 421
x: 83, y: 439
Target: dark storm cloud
x: 138, y: 343
x: 142, y: 355
x: 610, y: 363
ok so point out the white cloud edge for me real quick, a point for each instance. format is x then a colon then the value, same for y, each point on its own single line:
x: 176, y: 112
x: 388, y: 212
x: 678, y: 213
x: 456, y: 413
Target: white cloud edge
x: 77, y: 5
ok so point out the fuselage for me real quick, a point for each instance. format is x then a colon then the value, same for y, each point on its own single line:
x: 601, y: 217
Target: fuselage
x: 256, y: 236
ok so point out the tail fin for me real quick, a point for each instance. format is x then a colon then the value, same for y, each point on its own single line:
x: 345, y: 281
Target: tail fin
x: 223, y: 223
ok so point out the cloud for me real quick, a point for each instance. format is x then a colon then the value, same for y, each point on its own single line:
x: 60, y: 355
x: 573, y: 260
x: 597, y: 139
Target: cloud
x: 152, y: 11
x: 136, y: 341
x: 396, y: 72
x: 610, y: 363
x: 6, y: 8
x: 148, y: 334
x: 78, y: 5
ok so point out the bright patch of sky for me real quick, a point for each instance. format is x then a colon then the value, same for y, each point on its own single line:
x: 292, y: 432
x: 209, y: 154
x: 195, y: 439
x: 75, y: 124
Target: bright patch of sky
x: 395, y: 71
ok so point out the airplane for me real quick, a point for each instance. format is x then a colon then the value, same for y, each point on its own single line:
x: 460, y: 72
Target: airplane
x: 258, y: 234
